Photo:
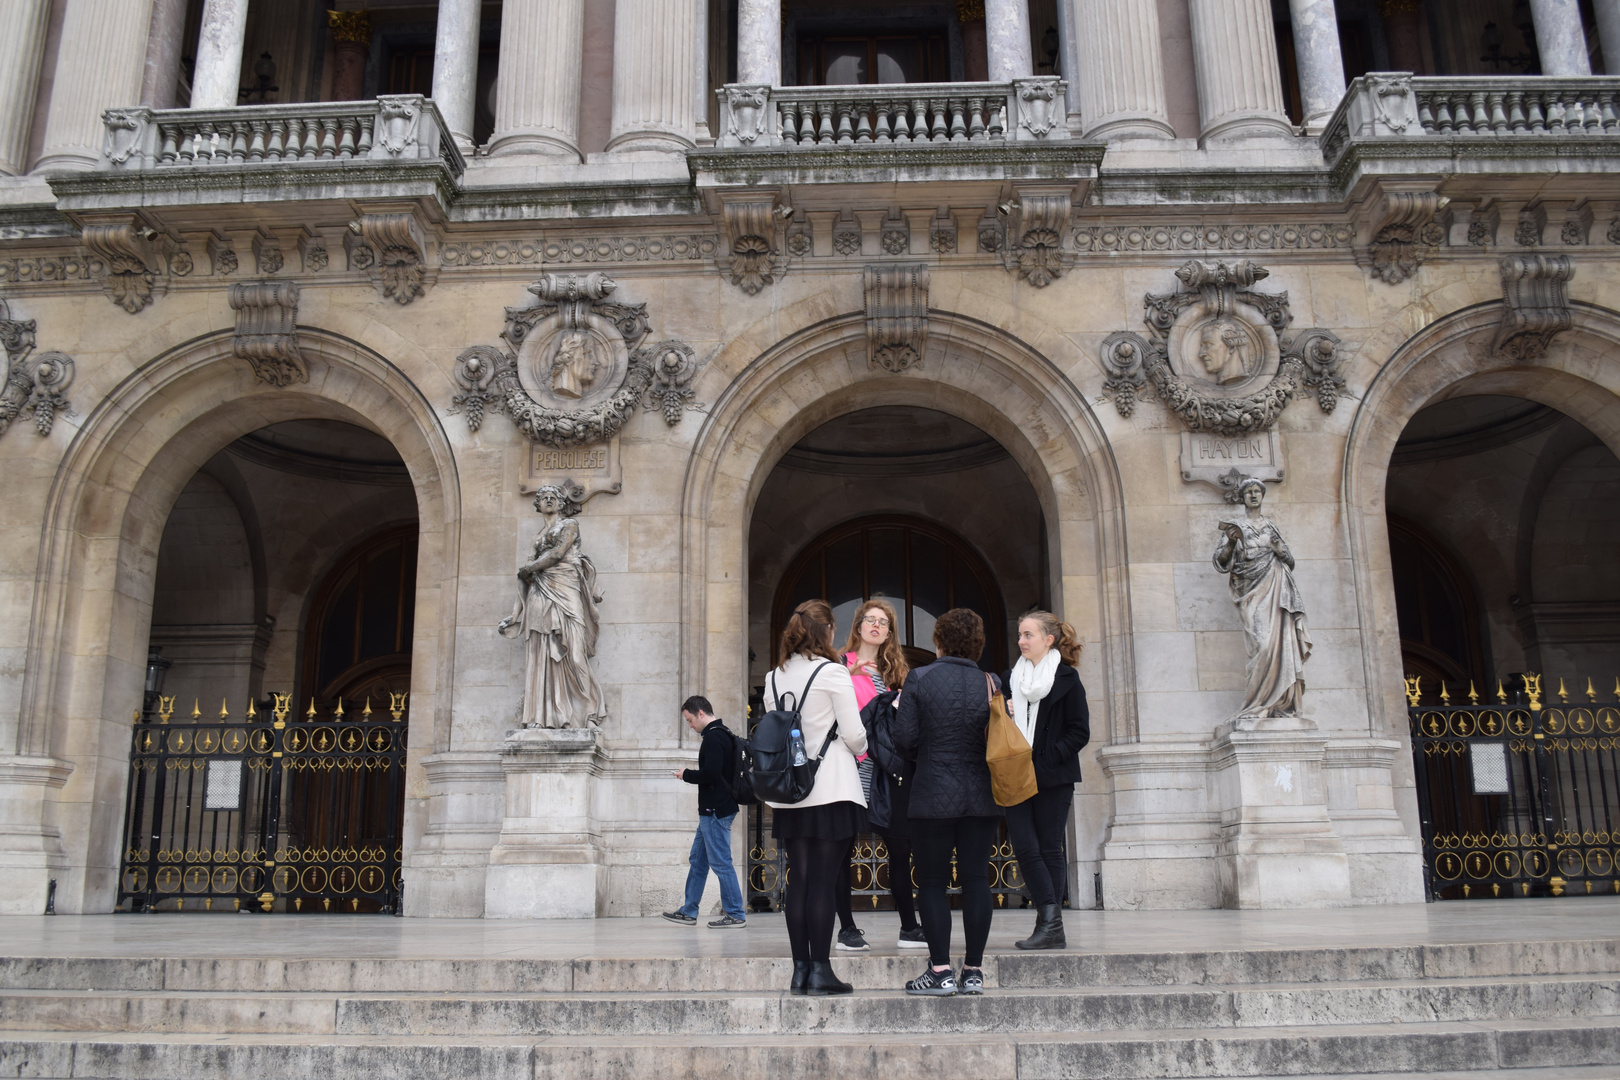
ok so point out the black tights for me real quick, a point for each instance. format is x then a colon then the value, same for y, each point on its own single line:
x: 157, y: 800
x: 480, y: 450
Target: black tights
x: 900, y: 880
x: 933, y: 840
x: 812, y: 892
x: 846, y: 913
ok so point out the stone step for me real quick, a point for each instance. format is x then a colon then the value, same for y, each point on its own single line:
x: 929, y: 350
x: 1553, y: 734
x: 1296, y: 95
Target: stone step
x: 1400, y: 1049
x: 769, y: 1013
x: 1076, y: 969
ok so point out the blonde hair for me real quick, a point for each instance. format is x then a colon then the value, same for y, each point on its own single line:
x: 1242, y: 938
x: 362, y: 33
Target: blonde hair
x: 891, y: 659
x: 1064, y: 639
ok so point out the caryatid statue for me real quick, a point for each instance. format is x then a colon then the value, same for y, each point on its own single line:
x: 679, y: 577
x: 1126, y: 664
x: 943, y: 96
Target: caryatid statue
x: 1260, y: 568
x: 556, y: 616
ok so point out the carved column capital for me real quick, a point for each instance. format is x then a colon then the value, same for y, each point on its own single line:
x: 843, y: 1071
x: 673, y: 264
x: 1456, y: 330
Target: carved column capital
x: 1535, y: 298
x: 267, y: 330
x: 896, y: 316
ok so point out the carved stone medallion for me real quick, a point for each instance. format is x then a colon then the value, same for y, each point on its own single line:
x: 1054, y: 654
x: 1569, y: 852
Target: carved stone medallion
x: 575, y: 366
x: 29, y: 381
x: 1216, y: 356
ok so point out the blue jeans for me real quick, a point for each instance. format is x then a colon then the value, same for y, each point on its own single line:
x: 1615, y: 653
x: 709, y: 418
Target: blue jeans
x: 711, y: 850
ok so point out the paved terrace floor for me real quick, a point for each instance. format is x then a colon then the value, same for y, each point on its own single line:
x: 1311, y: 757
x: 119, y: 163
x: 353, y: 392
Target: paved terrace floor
x: 1575, y: 918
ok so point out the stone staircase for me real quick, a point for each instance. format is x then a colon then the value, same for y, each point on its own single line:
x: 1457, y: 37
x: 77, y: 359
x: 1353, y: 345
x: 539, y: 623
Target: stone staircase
x: 1520, y: 1010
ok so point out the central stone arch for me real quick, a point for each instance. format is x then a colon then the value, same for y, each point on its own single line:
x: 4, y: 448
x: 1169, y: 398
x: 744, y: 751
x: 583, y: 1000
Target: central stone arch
x: 971, y: 370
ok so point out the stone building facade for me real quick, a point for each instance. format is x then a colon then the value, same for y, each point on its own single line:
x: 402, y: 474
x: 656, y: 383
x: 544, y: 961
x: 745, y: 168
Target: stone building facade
x: 284, y: 291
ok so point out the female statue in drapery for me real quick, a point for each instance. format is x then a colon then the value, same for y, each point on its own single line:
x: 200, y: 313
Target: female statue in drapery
x: 556, y: 616
x: 1261, y: 573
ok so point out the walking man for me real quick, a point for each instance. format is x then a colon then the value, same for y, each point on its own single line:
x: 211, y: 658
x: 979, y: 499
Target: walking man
x: 711, y: 848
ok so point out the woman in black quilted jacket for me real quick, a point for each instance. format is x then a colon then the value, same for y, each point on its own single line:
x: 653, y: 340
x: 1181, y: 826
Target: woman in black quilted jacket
x: 940, y: 725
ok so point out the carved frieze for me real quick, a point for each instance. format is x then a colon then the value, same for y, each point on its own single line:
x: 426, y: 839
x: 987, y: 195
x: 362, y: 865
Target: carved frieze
x: 1033, y: 246
x: 34, y: 382
x: 574, y: 366
x: 391, y: 249
x: 267, y: 330
x: 756, y: 253
x: 1535, y: 298
x: 1405, y: 233
x: 129, y: 257
x: 896, y: 316
x: 1215, y: 355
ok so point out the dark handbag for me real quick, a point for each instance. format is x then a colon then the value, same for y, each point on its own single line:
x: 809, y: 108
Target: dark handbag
x: 776, y: 779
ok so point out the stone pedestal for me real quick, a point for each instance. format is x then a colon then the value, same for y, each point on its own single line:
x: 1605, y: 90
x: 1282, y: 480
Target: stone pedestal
x: 1239, y: 83
x: 1319, y: 59
x: 1162, y: 845
x: 219, y: 55
x: 1386, y: 859
x: 537, y: 91
x: 447, y: 869
x: 1560, y: 38
x: 1121, y: 74
x: 105, y: 48
x: 1277, y: 847
x: 549, y: 862
x: 30, y: 847
x: 22, y: 49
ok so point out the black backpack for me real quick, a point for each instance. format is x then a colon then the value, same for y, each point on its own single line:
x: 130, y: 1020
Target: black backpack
x: 774, y: 776
x: 738, y: 780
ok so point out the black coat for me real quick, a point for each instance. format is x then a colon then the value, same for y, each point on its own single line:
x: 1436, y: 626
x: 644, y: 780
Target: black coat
x: 1062, y: 728
x: 716, y: 762
x: 944, y: 710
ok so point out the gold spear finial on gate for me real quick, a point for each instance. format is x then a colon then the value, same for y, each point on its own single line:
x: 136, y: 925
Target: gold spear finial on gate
x: 1414, y: 689
x: 339, y: 714
x: 312, y: 708
x: 365, y: 714
x: 252, y: 713
x: 1445, y: 698
x: 1501, y: 693
x: 1563, y: 695
x: 224, y: 713
x: 1591, y: 694
x: 196, y: 710
x: 1473, y: 695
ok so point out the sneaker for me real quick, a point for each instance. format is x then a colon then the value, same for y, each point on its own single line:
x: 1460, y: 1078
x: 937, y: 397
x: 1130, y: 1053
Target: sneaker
x: 680, y: 917
x: 933, y: 983
x: 852, y: 940
x: 726, y: 922
x: 913, y: 939
x: 971, y: 981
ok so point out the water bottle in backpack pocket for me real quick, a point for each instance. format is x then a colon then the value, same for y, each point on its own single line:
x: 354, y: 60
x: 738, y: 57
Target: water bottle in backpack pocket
x: 781, y: 769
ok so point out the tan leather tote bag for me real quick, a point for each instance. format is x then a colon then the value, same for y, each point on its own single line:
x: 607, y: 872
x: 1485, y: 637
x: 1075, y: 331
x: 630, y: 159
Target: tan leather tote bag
x: 1012, y: 763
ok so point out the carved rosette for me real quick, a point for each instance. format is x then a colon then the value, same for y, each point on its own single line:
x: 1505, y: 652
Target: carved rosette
x: 896, y: 316
x: 1535, y: 298
x: 267, y: 330
x: 1214, y: 354
x: 575, y: 366
x: 34, y: 383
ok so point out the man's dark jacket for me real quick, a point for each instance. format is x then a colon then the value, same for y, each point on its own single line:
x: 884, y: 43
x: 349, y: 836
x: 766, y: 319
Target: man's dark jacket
x: 716, y: 762
x: 944, y: 709
x: 1062, y: 728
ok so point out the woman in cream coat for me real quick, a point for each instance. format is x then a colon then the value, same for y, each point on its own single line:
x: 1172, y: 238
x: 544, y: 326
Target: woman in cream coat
x: 816, y: 833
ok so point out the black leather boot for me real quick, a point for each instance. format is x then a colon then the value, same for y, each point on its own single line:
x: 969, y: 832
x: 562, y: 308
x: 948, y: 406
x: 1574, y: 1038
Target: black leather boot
x: 1048, y: 929
x: 822, y: 982
x: 801, y: 971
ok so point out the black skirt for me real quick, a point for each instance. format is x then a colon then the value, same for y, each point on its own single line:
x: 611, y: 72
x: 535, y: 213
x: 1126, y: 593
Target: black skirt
x: 829, y: 821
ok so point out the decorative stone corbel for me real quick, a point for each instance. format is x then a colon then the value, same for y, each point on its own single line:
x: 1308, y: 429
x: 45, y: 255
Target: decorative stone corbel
x: 392, y: 249
x: 33, y: 383
x: 755, y: 250
x: 267, y: 330
x: 130, y: 259
x: 896, y: 316
x: 1535, y: 298
x: 222, y: 255
x: 942, y: 233
x: 1039, y: 219
x: 1405, y: 233
x: 268, y: 257
x: 312, y: 253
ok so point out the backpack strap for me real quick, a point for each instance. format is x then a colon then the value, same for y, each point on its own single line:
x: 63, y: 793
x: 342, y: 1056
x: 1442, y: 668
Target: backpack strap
x: 832, y: 732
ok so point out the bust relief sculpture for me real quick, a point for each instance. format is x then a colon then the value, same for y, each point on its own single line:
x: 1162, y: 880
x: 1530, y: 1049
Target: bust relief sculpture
x: 1260, y: 568
x: 574, y: 370
x: 1224, y: 348
x: 557, y: 618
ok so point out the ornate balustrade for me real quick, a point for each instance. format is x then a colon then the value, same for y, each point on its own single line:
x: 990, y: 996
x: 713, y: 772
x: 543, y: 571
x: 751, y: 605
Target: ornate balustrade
x: 403, y: 128
x: 907, y: 114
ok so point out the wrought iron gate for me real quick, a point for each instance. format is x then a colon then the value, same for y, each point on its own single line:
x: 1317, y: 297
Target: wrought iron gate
x: 278, y: 812
x: 1517, y: 797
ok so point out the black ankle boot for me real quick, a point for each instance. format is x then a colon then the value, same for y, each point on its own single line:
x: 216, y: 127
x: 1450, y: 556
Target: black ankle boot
x: 1048, y: 929
x: 822, y: 982
x: 801, y: 972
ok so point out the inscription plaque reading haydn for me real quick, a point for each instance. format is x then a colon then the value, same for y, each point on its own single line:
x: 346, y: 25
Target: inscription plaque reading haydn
x: 1215, y: 459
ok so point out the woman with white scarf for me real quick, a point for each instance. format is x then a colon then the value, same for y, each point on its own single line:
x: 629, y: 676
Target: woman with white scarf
x: 1048, y: 704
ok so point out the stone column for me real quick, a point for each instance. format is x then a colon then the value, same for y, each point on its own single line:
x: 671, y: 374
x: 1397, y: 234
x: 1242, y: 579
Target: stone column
x: 218, y: 75
x: 654, y: 55
x: 351, y: 33
x: 1121, y: 73
x: 1608, y: 20
x: 22, y: 51
x: 1560, y: 38
x: 165, y: 41
x: 1401, y: 34
x: 1235, y: 61
x: 1006, y: 24
x: 1320, y: 62
x: 759, y: 42
x: 455, y: 66
x: 103, y: 48
x: 537, y: 91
